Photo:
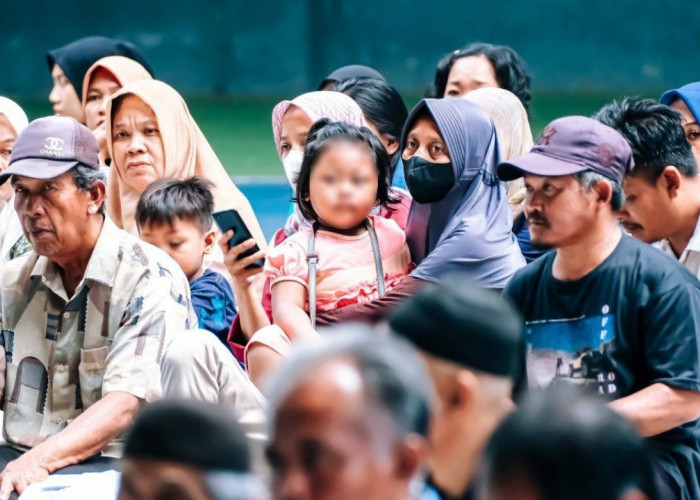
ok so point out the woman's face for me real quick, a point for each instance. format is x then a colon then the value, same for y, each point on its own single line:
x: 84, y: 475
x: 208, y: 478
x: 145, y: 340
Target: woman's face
x: 137, y: 145
x: 424, y: 140
x: 7, y: 140
x: 690, y: 126
x: 63, y: 96
x: 470, y: 73
x: 294, y: 128
x: 102, y: 85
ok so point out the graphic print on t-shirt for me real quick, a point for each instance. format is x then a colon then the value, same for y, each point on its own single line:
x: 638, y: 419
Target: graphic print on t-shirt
x: 572, y: 351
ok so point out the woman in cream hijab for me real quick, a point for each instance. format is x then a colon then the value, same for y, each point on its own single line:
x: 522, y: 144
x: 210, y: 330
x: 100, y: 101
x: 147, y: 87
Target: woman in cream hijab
x: 151, y: 135
x: 513, y: 128
x: 103, y: 79
x: 13, y: 121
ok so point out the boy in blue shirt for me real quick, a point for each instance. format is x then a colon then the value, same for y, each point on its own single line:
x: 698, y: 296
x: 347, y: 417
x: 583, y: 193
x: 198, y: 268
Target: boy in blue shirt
x: 175, y: 216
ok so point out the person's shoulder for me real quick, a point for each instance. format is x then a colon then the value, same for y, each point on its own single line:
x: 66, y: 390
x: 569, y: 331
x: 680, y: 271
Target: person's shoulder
x: 534, y: 270
x: 654, y: 264
x: 211, y: 281
x: 19, y: 269
x: 143, y: 258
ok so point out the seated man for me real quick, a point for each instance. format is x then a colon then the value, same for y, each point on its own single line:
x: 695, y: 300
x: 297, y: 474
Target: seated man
x: 84, y: 316
x: 560, y: 445
x: 187, y: 449
x: 470, y: 339
x: 606, y: 311
x: 662, y: 193
x: 349, y: 419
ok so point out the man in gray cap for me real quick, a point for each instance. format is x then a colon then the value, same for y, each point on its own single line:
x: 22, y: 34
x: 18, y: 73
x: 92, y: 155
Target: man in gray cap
x: 604, y: 310
x: 83, y: 317
x: 470, y: 339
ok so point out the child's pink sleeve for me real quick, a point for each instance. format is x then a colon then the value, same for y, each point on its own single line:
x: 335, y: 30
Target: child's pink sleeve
x: 287, y: 262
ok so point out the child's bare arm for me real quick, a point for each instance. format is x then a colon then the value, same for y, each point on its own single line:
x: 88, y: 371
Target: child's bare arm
x: 288, y: 300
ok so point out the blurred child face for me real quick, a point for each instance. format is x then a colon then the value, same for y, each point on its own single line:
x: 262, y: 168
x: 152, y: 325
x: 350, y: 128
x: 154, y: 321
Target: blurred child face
x: 343, y: 185
x: 183, y: 240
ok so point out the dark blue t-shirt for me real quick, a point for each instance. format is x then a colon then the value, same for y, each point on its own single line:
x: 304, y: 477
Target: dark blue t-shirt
x: 631, y: 322
x: 213, y: 302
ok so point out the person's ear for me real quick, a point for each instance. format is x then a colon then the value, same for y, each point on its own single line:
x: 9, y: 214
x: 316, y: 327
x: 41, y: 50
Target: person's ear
x: 411, y: 456
x: 392, y: 146
x: 465, y: 388
x: 670, y: 181
x: 97, y: 197
x: 604, y: 192
x: 209, y: 240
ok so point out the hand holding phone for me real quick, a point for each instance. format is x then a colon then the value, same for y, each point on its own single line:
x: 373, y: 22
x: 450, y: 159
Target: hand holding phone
x: 228, y: 220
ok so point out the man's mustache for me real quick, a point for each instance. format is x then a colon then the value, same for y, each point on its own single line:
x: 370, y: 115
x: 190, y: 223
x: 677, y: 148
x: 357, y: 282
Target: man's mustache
x: 537, y: 218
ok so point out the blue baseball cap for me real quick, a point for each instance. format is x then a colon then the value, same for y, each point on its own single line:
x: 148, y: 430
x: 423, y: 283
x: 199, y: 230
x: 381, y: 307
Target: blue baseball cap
x: 690, y: 94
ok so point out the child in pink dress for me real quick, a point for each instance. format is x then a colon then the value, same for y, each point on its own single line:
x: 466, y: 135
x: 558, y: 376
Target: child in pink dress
x: 348, y: 255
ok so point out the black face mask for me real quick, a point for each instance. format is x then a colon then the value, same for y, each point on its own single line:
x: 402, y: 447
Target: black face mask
x: 428, y: 182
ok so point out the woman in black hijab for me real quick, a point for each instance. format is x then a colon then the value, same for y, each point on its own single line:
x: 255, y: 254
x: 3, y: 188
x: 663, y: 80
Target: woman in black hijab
x: 68, y: 65
x: 346, y: 73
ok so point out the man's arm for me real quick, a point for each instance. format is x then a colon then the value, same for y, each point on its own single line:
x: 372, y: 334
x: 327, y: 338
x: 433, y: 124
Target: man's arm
x: 82, y: 438
x: 659, y: 408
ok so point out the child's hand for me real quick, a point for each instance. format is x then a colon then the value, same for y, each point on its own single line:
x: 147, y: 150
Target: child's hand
x: 243, y: 277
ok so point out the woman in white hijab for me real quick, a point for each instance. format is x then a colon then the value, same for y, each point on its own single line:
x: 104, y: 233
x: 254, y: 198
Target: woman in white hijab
x: 13, y: 121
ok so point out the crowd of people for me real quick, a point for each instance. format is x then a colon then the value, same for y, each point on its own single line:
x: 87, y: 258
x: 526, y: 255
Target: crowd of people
x: 451, y: 310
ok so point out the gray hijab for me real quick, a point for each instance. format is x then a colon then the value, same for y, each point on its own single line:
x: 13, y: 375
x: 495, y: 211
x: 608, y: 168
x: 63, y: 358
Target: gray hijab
x: 469, y: 230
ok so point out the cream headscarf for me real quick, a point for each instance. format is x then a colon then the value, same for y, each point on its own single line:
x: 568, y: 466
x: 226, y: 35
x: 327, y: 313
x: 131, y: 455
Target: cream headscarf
x: 14, y: 114
x: 125, y: 71
x: 187, y: 153
x: 513, y: 128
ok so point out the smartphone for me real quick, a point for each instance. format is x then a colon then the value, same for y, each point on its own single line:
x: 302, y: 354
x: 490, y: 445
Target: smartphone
x: 230, y: 219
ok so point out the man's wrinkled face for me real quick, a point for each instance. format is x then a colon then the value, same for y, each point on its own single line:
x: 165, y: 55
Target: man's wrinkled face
x: 323, y: 445
x: 53, y: 213
x: 558, y: 209
x: 646, y: 210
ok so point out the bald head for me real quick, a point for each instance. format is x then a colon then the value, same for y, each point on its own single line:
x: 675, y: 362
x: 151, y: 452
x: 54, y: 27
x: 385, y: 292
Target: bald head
x: 348, y: 420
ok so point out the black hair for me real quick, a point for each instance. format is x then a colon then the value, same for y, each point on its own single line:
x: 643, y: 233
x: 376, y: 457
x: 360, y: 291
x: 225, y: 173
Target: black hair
x: 567, y: 445
x: 382, y: 105
x: 510, y: 69
x: 322, y: 134
x: 167, y: 199
x: 655, y: 134
x: 588, y: 179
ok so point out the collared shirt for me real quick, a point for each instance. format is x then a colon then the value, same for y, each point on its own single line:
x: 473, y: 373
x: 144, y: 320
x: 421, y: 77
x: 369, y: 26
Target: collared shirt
x: 59, y: 355
x: 690, y: 257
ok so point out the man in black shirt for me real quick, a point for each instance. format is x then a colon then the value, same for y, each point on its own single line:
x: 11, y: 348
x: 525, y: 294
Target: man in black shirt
x: 604, y: 310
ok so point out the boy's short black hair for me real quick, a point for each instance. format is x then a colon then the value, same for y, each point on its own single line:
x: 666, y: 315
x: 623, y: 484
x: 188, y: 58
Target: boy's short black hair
x: 655, y: 134
x: 167, y: 199
x: 322, y: 134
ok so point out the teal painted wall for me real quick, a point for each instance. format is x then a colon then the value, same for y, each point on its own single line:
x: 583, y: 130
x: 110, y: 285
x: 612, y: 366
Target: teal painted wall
x: 268, y: 47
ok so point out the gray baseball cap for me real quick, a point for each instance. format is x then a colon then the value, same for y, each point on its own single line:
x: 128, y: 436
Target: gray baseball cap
x: 51, y: 146
x: 573, y: 144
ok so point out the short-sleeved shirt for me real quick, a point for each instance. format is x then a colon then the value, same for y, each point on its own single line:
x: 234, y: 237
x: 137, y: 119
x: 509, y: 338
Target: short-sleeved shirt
x: 212, y: 299
x: 59, y: 355
x: 632, y: 322
x: 346, y: 272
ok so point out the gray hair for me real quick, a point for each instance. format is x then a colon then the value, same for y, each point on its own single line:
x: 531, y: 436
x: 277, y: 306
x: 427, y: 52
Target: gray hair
x: 85, y: 179
x: 393, y: 375
x: 587, y: 179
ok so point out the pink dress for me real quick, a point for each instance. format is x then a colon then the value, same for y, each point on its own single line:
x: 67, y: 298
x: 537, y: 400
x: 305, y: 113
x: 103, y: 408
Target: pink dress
x: 346, y: 272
